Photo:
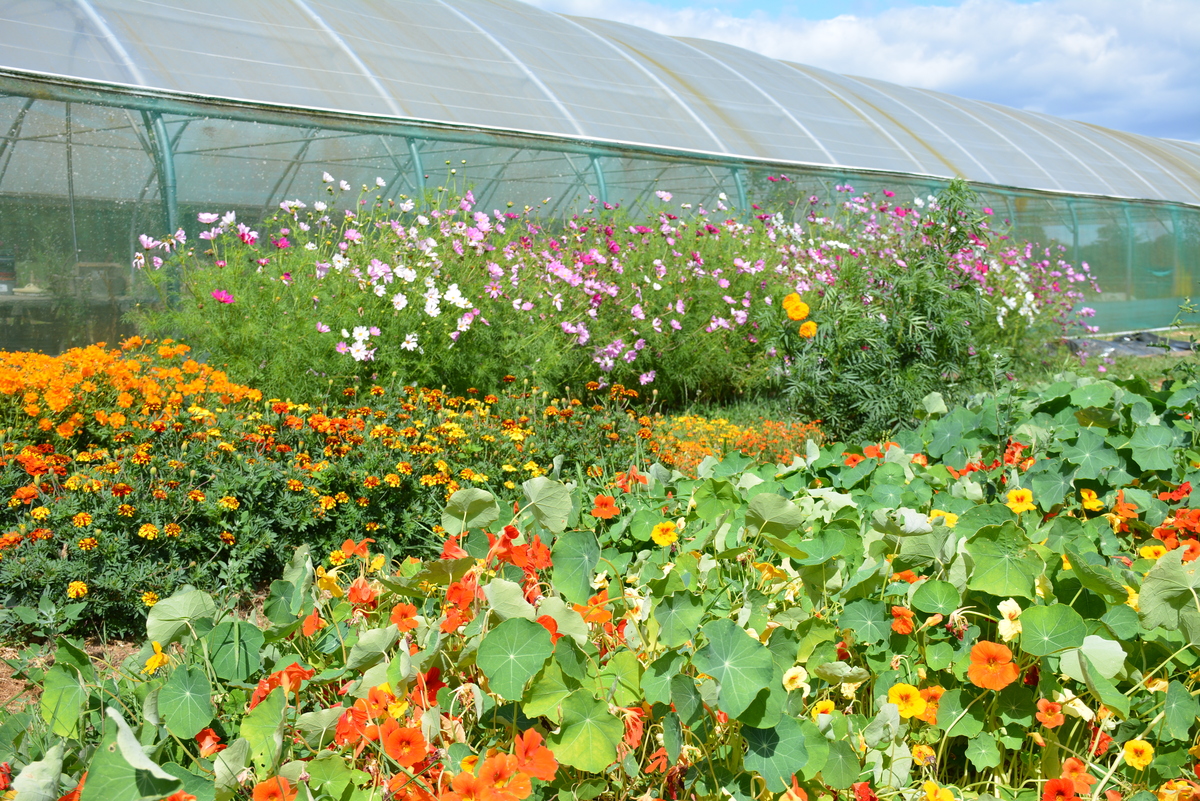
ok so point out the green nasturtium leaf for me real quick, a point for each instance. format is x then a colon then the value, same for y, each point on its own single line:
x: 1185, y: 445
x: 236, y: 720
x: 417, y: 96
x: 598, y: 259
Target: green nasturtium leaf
x: 1104, y: 690
x: 936, y: 597
x: 121, y: 771
x: 741, y: 665
x: 550, y: 502
x: 866, y: 619
x: 513, y: 653
x: 38, y: 781
x: 960, y: 715
x: 234, y: 647
x: 1049, y: 629
x: 1091, y: 454
x: 983, y: 751
x: 678, y: 617
x: 548, y: 691
x: 1170, y: 590
x: 262, y: 729
x: 1179, y: 712
x: 656, y: 681
x: 185, y: 701
x: 63, y: 697
x: 1153, y: 447
x: 589, y: 734
x: 842, y: 767
x: 469, y: 508
x: 169, y: 618
x: 1005, y: 563
x: 773, y: 514
x: 1107, y: 656
x: 507, y: 599
x: 575, y: 555
x: 1096, y: 578
x: 775, y: 754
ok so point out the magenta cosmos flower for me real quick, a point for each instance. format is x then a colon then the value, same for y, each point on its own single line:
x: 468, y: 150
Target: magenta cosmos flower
x: 221, y: 296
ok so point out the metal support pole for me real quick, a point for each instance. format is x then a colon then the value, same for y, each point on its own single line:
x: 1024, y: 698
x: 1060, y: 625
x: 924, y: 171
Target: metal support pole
x: 740, y: 183
x: 1129, y: 234
x: 164, y: 159
x: 418, y: 171
x: 1074, y: 232
x: 71, y: 186
x: 601, y: 187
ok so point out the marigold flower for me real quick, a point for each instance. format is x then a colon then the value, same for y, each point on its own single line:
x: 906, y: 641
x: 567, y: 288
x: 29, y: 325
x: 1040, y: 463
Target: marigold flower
x: 87, y: 543
x: 149, y: 598
x: 230, y: 503
x: 1050, y: 714
x: 902, y: 620
x: 909, y: 699
x: 796, y: 308
x: 195, y: 495
x: 808, y: 329
x: 1020, y: 500
x: 148, y: 531
x: 991, y: 666
x: 227, y: 538
x: 1058, y: 790
x: 1138, y: 754
x: 664, y: 533
x: 76, y: 590
x: 156, y: 660
x: 81, y: 520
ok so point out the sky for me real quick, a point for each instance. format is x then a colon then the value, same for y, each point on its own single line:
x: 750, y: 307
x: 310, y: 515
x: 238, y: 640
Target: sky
x: 1132, y: 65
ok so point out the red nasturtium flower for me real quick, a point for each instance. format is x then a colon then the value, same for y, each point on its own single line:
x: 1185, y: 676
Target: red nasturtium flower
x: 605, y: 507
x: 1050, y: 714
x: 852, y: 459
x: 624, y: 480
x: 533, y: 758
x: 209, y: 742
x: 275, y: 788
x: 902, y: 620
x: 1058, y: 790
x: 74, y: 794
x: 863, y: 792
x: 551, y: 625
x: 991, y: 666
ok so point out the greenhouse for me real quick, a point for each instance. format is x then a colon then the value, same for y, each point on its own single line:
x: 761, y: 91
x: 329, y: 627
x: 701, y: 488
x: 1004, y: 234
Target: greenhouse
x: 123, y: 117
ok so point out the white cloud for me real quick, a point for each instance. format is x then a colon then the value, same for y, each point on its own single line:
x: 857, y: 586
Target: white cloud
x: 1132, y: 65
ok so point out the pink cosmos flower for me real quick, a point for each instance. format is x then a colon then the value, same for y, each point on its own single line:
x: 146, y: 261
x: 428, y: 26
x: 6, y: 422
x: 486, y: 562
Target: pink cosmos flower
x: 221, y: 296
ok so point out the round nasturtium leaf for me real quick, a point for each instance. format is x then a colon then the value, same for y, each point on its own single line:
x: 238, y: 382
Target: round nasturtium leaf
x: 185, y: 702
x: 866, y: 619
x: 777, y: 753
x: 588, y: 736
x: 511, y: 654
x: 936, y: 597
x: 1048, y: 629
x: 741, y: 664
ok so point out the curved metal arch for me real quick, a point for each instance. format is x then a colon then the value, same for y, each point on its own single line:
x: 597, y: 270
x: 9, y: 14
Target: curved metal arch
x: 983, y: 124
x: 521, y: 65
x: 888, y: 134
x: 1008, y: 113
x: 657, y: 81
x: 1148, y: 157
x: 1136, y: 173
x: 770, y: 99
x: 111, y: 38
x: 930, y: 123
x: 341, y: 44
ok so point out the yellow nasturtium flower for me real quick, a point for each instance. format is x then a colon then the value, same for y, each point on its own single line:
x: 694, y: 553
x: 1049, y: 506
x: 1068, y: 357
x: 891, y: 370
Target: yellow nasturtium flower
x: 157, y: 660
x: 1090, y: 501
x: 1020, y: 500
x: 1138, y: 754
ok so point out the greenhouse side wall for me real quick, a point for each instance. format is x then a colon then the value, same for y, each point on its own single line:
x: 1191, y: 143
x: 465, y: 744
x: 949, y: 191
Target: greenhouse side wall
x: 85, y: 170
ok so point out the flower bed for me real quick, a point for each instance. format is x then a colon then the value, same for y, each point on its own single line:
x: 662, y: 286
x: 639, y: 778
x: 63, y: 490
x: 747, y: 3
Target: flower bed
x: 999, y: 604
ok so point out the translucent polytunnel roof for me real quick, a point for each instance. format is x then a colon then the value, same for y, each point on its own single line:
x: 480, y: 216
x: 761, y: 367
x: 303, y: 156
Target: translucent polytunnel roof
x: 504, y: 64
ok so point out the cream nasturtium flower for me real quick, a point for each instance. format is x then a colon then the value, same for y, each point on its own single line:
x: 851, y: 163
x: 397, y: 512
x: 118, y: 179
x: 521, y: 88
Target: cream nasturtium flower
x: 1009, y: 625
x: 796, y: 678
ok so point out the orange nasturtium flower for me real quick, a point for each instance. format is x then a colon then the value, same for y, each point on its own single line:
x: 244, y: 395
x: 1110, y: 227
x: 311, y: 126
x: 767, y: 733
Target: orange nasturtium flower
x: 1020, y: 500
x: 1058, y: 790
x: 209, y: 742
x: 275, y: 788
x: 1076, y: 770
x: 991, y: 666
x: 404, y: 616
x: 1050, y: 714
x: 1124, y: 509
x: 605, y: 507
x: 1138, y: 754
x: 909, y: 699
x: 533, y: 758
x: 361, y: 592
x: 902, y: 620
x: 312, y: 624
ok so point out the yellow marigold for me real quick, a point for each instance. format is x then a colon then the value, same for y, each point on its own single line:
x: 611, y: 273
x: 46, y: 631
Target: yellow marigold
x: 126, y: 510
x: 664, y: 533
x: 87, y: 543
x: 909, y: 699
x: 1138, y: 754
x: 81, y: 520
x: 229, y: 502
x: 825, y: 707
x: 195, y: 495
x: 39, y: 512
x: 808, y: 329
x: 172, y: 529
x: 336, y: 557
x: 76, y: 590
x: 148, y: 531
x: 156, y: 660
x: 227, y: 538
x: 1020, y: 500
x: 149, y: 598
